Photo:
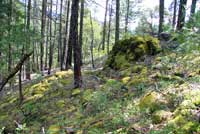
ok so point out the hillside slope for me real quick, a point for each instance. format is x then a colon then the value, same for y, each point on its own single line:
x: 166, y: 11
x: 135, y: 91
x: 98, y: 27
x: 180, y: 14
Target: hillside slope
x: 157, y: 95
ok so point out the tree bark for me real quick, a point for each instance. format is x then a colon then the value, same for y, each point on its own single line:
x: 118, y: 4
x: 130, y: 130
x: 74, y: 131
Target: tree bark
x: 20, y: 86
x: 117, y: 21
x: 60, y: 38
x: 104, y: 26
x: 174, y: 15
x: 81, y: 26
x: 52, y: 44
x: 47, y: 40
x: 92, y: 41
x: 193, y: 8
x: 109, y: 29
x: 44, y: 3
x: 9, y: 32
x: 181, y: 14
x: 161, y: 16
x: 69, y: 50
x: 73, y: 40
x: 28, y: 64
x: 127, y: 16
x: 66, y: 33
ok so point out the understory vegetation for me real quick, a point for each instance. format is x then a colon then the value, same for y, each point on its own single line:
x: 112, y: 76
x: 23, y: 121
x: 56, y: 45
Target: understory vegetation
x: 157, y: 94
x: 66, y: 69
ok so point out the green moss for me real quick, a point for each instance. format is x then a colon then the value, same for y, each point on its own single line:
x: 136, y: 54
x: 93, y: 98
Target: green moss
x: 87, y: 95
x: 148, y: 101
x: 136, y: 80
x: 140, y: 77
x: 54, y: 129
x: 76, y: 92
x: 60, y: 103
x: 160, y: 116
x: 64, y: 74
x: 151, y: 101
x: 129, y: 50
x: 125, y: 80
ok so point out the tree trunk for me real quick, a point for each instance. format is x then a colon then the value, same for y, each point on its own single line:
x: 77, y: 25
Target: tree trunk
x: 181, y: 14
x: 20, y: 86
x: 66, y: 33
x: 117, y: 21
x: 104, y: 26
x: 161, y: 16
x: 47, y: 40
x: 81, y: 27
x: 28, y: 64
x: 9, y: 32
x: 127, y: 16
x: 73, y: 40
x: 44, y: 3
x: 174, y: 15
x: 109, y: 28
x: 69, y: 50
x: 193, y: 7
x: 60, y: 38
x: 51, y: 48
x: 92, y: 41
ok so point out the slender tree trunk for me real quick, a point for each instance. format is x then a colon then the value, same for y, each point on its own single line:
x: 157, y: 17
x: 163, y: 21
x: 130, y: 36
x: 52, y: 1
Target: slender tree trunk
x: 44, y: 3
x: 161, y: 16
x: 104, y: 26
x: 35, y: 49
x: 193, y: 8
x: 181, y: 14
x: 51, y: 43
x: 117, y: 21
x: 66, y: 33
x: 92, y: 41
x: 47, y: 41
x: 69, y: 50
x: 174, y: 15
x: 9, y: 31
x: 109, y: 29
x: 60, y: 38
x: 127, y: 16
x: 81, y: 26
x: 37, y: 55
x: 20, y: 86
x: 73, y: 40
x: 28, y: 64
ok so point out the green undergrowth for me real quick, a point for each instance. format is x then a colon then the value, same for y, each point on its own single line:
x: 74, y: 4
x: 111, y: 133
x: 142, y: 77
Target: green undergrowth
x: 159, y: 98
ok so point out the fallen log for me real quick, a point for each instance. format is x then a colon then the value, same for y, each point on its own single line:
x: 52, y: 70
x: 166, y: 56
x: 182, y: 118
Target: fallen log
x: 15, y: 70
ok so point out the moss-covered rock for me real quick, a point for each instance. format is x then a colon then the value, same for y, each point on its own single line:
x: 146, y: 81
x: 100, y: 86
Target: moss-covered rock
x: 76, y: 92
x: 140, y: 77
x: 129, y: 50
x: 125, y: 80
x: 152, y: 101
x: 54, y: 129
x: 160, y: 116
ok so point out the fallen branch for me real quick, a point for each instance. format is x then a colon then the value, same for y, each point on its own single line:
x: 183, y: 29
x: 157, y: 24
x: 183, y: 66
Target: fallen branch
x: 15, y: 70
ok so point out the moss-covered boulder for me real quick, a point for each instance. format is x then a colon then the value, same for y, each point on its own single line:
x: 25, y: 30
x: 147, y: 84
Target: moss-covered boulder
x: 160, y: 116
x: 152, y: 101
x: 129, y: 50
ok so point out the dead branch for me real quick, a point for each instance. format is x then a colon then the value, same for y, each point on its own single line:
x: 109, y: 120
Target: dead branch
x: 15, y: 70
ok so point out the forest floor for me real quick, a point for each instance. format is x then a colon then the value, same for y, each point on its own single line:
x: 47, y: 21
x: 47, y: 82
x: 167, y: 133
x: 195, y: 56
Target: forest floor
x: 161, y: 97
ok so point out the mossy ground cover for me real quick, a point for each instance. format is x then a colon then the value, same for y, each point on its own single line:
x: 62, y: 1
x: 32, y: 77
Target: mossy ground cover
x: 160, y: 98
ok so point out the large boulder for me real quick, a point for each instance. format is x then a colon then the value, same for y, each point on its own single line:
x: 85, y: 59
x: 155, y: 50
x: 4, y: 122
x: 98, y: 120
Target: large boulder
x: 129, y: 50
